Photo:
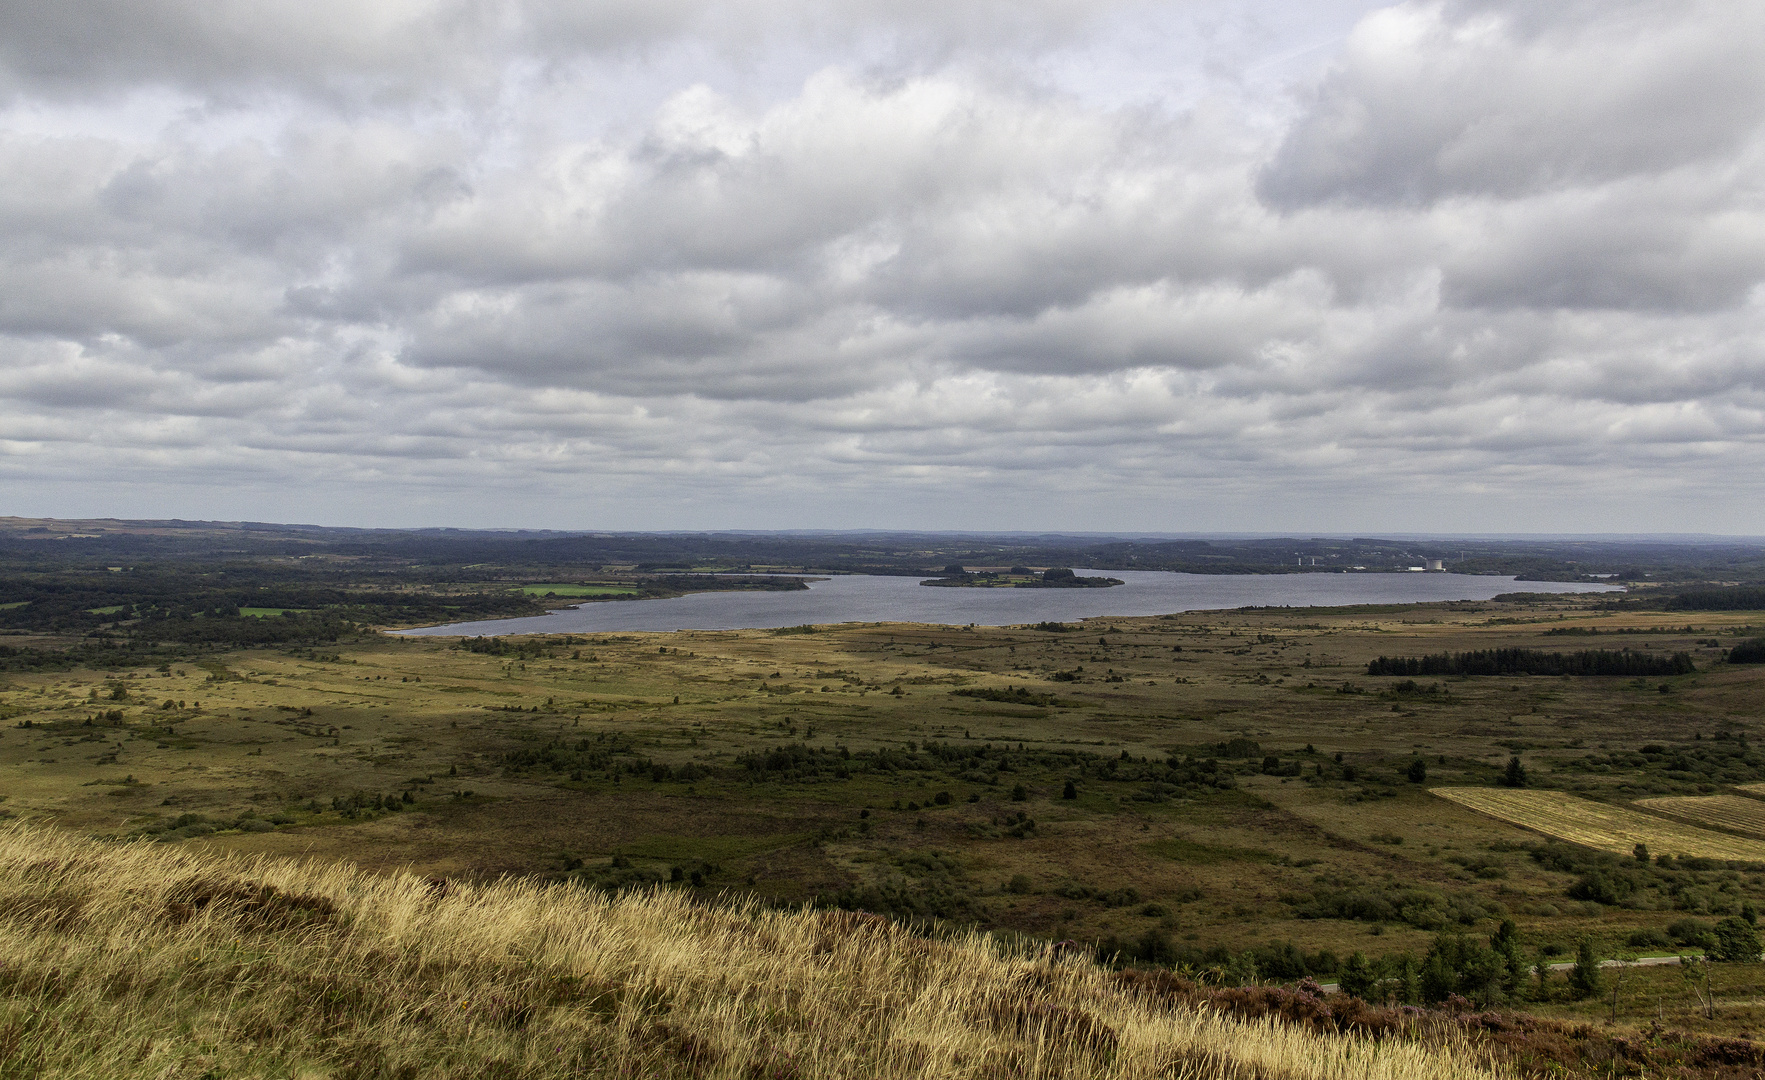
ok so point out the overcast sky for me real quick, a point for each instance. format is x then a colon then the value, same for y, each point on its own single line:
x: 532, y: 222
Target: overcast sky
x: 998, y: 264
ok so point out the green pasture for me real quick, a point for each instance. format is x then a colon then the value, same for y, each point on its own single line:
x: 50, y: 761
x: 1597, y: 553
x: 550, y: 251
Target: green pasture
x: 578, y: 590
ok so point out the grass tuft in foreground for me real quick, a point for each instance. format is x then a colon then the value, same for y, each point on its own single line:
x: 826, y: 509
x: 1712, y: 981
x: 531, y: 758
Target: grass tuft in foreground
x: 131, y: 960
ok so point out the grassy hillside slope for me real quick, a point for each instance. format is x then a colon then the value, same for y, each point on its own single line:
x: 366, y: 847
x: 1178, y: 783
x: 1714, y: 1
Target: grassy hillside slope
x: 135, y: 960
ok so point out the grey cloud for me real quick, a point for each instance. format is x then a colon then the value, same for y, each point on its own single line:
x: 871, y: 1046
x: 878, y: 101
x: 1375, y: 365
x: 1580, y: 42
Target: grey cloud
x: 1659, y: 243
x: 98, y: 44
x: 1163, y: 325
x: 1432, y: 102
x: 354, y: 54
x: 712, y: 335
x: 1473, y: 259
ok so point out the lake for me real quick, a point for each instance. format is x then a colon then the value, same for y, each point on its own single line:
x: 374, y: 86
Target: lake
x: 858, y: 598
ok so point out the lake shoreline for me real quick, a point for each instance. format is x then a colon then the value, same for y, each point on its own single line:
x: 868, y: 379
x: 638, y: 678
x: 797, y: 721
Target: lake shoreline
x: 862, y: 598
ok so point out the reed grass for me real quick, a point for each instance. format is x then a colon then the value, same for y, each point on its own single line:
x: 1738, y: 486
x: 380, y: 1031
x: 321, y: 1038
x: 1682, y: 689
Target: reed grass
x: 138, y: 961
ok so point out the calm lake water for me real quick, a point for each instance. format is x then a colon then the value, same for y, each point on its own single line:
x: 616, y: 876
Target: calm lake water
x: 858, y: 598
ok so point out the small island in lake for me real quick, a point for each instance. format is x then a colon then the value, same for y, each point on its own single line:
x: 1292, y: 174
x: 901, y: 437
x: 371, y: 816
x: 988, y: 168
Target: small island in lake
x: 1018, y: 577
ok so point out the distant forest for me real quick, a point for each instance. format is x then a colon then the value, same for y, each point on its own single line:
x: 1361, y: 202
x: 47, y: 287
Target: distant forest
x: 460, y: 555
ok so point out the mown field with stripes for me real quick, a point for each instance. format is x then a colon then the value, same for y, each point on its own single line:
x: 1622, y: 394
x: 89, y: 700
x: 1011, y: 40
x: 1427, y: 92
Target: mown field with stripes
x: 1604, y: 826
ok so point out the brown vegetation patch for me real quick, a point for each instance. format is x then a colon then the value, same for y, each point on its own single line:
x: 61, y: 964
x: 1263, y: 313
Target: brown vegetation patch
x: 1037, y: 1020
x: 60, y: 912
x: 253, y: 906
x: 1531, y: 1045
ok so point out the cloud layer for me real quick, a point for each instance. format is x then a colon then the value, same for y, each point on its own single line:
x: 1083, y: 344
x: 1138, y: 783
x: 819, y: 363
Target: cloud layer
x: 1474, y: 266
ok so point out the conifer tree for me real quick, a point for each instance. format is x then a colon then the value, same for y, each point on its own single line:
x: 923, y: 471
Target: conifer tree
x: 1515, y: 775
x: 1585, y: 978
x: 1357, y: 978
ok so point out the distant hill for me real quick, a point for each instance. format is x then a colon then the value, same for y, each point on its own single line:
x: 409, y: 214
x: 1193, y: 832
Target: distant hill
x: 1619, y: 560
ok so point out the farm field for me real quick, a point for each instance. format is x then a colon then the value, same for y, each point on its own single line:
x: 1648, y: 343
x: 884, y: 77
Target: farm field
x: 1608, y: 828
x: 1735, y: 813
x: 1237, y: 783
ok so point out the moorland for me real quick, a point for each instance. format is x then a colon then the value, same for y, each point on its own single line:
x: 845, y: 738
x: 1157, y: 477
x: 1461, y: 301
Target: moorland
x: 1417, y: 801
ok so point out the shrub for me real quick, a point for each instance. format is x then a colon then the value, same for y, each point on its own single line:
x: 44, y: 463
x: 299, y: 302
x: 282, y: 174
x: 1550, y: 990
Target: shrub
x: 1748, y: 652
x: 1603, y: 887
x: 1692, y: 932
x: 1421, y: 908
x: 1237, y: 748
x: 1737, y: 941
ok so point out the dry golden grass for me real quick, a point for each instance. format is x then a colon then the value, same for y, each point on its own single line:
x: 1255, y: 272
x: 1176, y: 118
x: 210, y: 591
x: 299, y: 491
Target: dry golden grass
x: 134, y: 960
x: 1733, y: 812
x: 1597, y: 825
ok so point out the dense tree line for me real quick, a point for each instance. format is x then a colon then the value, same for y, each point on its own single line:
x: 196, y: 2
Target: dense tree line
x: 143, y: 600
x: 1535, y: 662
x: 1740, y: 598
x: 304, y: 628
